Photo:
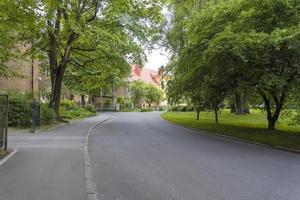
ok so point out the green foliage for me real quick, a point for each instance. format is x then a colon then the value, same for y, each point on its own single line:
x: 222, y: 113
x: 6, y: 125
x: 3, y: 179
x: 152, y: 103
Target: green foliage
x: 93, y: 42
x: 70, y: 110
x: 124, y: 102
x: 47, y: 115
x: 137, y: 91
x: 19, y: 111
x: 69, y: 105
x: 148, y: 93
x: 147, y: 110
x: 234, y: 44
x: 14, y: 24
x: 182, y: 108
x: 90, y: 107
x: 153, y: 95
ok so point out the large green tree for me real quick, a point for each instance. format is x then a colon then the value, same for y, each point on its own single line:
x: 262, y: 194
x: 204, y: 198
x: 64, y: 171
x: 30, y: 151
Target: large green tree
x: 15, y: 26
x: 82, y: 32
x: 236, y: 44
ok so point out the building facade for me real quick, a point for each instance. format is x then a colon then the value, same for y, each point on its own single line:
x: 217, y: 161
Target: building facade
x: 28, y: 69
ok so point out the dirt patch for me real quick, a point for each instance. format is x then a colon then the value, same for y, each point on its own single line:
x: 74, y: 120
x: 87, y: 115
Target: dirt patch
x: 3, y: 154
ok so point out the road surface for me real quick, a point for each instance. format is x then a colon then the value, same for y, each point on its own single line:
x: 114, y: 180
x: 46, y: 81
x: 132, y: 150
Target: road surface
x: 138, y: 156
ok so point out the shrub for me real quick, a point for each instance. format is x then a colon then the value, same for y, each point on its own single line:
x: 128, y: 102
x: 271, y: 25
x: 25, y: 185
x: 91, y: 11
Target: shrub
x: 90, y: 108
x: 19, y: 111
x: 128, y: 110
x: 146, y: 110
x: 47, y: 115
x: 124, y: 102
x: 70, y: 110
x: 162, y: 108
x: 182, y: 108
x: 69, y: 105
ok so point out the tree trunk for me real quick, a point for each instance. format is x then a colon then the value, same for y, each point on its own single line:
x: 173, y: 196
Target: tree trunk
x: 216, y: 115
x: 56, y: 80
x: 114, y: 99
x: 198, y: 114
x: 245, y: 104
x: 238, y: 103
x: 241, y: 104
x: 83, y: 100
x: 58, y: 70
x: 271, y: 123
x: 272, y: 118
x: 232, y: 105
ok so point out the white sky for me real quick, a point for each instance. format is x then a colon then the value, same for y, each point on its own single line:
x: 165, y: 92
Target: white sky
x: 156, y: 58
x: 159, y: 57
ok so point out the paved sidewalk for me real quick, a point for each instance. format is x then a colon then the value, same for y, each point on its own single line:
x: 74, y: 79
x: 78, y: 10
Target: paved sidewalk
x: 48, y: 166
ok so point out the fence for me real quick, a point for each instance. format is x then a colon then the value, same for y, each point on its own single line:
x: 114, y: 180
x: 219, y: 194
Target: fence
x: 3, y: 120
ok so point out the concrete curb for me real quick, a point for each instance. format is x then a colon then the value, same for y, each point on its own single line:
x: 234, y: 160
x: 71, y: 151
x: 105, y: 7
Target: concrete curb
x: 199, y: 131
x: 90, y: 184
x: 64, y: 124
x: 43, y: 129
x: 8, y: 157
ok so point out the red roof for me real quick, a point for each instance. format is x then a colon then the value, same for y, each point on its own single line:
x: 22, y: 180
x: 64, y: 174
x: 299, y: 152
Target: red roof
x: 147, y: 75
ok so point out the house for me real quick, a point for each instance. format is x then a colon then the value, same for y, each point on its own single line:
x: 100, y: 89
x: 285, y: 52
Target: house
x: 107, y: 99
x: 149, y: 76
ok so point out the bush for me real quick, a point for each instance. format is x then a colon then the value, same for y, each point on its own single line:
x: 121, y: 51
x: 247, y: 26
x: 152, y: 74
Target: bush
x: 91, y: 108
x: 146, y: 110
x: 70, y: 110
x: 162, y: 108
x: 182, y: 108
x: 19, y: 111
x: 47, y: 115
x: 125, y: 102
x: 69, y: 105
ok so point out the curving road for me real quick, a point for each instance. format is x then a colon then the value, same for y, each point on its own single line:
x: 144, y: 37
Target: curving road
x: 138, y: 156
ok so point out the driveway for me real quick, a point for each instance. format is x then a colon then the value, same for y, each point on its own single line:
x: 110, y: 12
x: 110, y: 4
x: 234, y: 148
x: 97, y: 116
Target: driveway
x: 138, y: 156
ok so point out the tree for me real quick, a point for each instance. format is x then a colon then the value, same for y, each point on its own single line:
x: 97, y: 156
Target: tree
x: 238, y: 43
x: 78, y: 32
x: 14, y: 25
x: 137, y: 92
x: 267, y: 59
x: 152, y: 95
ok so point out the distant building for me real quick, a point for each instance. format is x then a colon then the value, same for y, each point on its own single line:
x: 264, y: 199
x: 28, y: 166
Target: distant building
x: 28, y: 69
x: 149, y: 76
x: 107, y: 99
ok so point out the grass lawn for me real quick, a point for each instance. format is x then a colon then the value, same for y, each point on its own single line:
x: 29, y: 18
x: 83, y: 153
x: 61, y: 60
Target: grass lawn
x: 252, y: 127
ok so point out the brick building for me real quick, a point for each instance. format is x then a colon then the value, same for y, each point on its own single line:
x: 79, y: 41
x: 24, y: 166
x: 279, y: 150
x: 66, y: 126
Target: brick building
x: 28, y: 69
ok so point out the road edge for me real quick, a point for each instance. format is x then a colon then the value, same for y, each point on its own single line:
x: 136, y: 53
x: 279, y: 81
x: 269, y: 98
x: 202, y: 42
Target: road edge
x: 8, y: 157
x: 199, y: 131
x: 90, y: 184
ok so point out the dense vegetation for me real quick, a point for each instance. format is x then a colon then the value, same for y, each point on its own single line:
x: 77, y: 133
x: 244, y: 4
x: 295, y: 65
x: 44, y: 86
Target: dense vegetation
x: 86, y: 43
x: 20, y: 111
x: 243, y: 52
x: 141, y: 95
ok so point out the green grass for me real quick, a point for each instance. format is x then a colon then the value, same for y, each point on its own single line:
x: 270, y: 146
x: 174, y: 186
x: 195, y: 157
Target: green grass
x: 78, y: 113
x: 252, y: 127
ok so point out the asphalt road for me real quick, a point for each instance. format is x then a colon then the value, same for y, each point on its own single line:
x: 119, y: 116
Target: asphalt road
x: 137, y: 156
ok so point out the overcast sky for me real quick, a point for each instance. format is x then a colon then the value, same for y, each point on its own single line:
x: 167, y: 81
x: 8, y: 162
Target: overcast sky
x: 156, y: 58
